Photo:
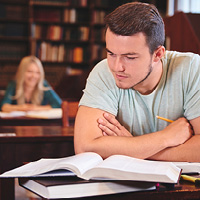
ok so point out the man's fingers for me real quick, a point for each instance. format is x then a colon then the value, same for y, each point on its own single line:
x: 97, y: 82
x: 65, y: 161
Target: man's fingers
x: 111, y: 120
x: 109, y: 125
x: 107, y: 131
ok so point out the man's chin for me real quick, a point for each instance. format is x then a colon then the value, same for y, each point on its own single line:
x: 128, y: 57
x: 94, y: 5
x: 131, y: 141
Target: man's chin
x: 121, y: 86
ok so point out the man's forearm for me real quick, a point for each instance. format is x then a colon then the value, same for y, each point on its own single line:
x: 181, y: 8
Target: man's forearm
x: 138, y: 147
x: 187, y: 152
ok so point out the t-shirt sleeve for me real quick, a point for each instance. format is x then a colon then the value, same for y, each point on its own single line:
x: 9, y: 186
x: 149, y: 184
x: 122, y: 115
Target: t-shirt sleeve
x: 192, y: 87
x: 101, y: 91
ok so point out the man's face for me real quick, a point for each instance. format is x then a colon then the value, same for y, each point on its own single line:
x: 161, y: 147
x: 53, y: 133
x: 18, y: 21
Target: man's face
x: 129, y: 59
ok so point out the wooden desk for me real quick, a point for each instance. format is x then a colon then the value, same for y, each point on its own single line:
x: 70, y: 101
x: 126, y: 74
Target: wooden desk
x: 27, y: 121
x: 183, y: 191
x: 31, y: 143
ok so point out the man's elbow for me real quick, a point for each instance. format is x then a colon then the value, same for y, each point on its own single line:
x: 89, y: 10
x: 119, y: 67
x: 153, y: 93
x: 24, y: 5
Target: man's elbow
x: 80, y: 147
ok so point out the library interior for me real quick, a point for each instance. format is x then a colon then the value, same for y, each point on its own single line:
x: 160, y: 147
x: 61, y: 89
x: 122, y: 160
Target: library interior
x: 68, y: 37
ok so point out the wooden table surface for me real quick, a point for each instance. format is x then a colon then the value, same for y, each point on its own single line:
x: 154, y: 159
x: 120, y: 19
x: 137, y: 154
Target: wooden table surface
x: 21, y: 144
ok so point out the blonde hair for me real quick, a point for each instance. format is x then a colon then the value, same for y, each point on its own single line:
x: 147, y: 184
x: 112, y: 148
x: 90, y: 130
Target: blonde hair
x: 38, y: 92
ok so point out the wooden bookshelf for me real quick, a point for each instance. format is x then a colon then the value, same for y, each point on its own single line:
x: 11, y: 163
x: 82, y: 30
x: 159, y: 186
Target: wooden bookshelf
x: 13, y: 37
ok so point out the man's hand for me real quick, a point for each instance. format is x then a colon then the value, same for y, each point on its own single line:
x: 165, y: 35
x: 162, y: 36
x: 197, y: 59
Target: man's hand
x: 111, y: 127
x: 178, y: 132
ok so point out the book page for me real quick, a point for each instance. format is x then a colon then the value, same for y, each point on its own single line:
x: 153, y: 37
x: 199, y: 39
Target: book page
x: 119, y: 167
x: 12, y: 114
x: 78, y: 164
x: 188, y: 167
x: 54, y: 113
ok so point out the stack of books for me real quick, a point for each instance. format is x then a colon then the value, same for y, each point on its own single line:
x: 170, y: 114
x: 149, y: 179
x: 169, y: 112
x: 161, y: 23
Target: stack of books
x: 87, y: 174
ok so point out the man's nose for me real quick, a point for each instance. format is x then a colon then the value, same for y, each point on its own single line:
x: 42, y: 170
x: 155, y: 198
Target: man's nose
x: 118, y: 65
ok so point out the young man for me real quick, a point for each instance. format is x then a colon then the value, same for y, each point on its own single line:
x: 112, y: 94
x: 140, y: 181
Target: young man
x: 138, y: 81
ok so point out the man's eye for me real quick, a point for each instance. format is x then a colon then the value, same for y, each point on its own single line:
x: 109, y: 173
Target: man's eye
x: 111, y: 54
x: 131, y: 58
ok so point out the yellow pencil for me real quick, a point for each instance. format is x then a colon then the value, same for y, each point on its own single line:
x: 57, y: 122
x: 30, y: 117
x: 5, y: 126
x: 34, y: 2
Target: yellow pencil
x: 165, y: 119
x: 191, y: 179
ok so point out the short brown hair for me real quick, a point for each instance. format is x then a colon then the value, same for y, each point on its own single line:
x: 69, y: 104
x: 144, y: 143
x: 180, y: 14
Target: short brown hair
x: 131, y: 18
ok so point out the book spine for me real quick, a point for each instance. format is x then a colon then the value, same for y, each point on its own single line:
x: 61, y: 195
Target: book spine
x: 78, y: 55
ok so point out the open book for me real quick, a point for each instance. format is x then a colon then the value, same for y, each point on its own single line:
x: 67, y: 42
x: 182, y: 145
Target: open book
x: 189, y: 167
x: 91, y: 166
x: 54, y: 113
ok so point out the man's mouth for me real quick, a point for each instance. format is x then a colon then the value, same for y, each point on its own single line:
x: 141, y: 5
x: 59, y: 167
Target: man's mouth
x: 121, y: 76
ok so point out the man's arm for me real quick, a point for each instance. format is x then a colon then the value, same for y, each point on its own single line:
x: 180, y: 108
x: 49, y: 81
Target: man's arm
x: 189, y: 151
x: 89, y: 137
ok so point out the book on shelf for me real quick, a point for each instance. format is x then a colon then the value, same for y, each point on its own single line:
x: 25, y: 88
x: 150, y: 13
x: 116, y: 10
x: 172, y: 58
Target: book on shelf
x: 47, y: 15
x: 54, y: 32
x: 16, y: 30
x: 16, y: 12
x: 78, y: 55
x: 91, y: 166
x: 98, y: 52
x: 11, y: 50
x: 82, y: 3
x: 79, y: 33
x: 57, y: 2
x: 61, y: 53
x: 36, y: 31
x: 98, y: 16
x: 74, y: 187
x: 51, y: 52
x: 42, y: 53
x: 99, y: 34
x: 66, y: 15
x: 54, y: 113
x: 84, y: 33
x: 69, y: 15
x: 72, y: 15
x: 10, y: 11
x: 50, y: 1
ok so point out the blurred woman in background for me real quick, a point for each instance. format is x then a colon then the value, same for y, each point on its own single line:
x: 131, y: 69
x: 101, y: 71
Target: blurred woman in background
x: 30, y: 91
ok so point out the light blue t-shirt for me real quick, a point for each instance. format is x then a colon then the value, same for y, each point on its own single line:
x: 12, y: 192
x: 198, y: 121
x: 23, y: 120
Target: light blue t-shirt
x: 177, y: 94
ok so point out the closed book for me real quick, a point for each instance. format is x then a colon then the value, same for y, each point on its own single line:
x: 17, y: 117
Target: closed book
x: 78, y: 55
x: 74, y: 187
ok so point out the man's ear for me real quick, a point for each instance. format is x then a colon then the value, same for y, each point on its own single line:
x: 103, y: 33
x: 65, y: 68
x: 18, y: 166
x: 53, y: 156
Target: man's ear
x: 158, y: 53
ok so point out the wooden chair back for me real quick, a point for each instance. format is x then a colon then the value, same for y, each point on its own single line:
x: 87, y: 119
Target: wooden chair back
x: 69, y: 110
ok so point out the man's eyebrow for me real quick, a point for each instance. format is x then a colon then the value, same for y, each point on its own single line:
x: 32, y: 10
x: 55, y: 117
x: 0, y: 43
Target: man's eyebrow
x: 109, y: 51
x: 125, y: 54
x: 130, y: 54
